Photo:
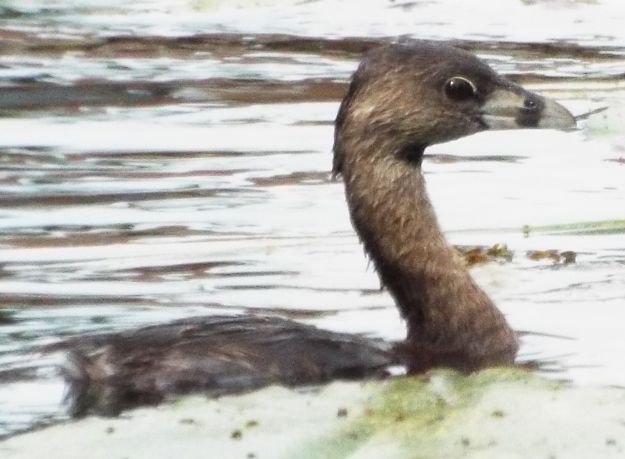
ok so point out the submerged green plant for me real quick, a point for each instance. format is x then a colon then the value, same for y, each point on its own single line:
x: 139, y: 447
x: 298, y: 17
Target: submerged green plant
x: 415, y: 413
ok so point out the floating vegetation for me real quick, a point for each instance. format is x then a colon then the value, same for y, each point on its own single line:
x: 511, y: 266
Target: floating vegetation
x: 426, y: 415
x: 579, y: 228
x: 566, y: 257
x: 475, y: 255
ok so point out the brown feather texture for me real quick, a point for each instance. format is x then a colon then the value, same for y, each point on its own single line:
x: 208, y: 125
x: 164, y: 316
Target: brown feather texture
x: 402, y: 98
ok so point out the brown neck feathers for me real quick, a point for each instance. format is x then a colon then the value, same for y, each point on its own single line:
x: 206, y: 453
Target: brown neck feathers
x: 451, y: 321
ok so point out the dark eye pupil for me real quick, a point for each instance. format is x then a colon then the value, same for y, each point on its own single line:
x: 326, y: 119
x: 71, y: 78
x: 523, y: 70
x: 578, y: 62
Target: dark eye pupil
x: 530, y: 104
x: 459, y: 89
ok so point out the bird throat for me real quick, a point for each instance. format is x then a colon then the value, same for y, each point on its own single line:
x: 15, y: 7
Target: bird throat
x: 412, y: 154
x: 451, y: 321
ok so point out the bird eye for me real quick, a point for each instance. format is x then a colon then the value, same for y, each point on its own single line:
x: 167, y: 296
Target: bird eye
x: 459, y: 89
x: 530, y: 104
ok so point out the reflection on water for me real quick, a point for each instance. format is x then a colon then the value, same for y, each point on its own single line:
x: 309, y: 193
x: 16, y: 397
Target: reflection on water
x: 162, y: 160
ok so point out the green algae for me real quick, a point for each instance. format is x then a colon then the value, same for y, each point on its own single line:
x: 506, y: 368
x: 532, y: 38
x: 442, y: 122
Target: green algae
x: 584, y: 228
x: 415, y: 414
x: 494, y: 414
x: 579, y: 228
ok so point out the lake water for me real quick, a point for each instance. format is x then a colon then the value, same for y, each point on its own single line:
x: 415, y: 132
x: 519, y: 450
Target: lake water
x: 166, y: 159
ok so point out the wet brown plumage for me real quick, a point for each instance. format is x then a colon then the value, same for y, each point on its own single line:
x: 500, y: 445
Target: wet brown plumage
x: 217, y: 355
x: 451, y: 321
x: 402, y: 99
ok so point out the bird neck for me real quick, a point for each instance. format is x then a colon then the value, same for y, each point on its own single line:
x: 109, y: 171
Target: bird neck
x: 450, y: 319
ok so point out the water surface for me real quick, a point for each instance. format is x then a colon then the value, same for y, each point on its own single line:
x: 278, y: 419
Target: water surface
x: 168, y: 159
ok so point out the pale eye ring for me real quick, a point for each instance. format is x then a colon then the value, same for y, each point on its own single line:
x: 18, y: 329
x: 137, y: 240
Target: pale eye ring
x: 460, y: 88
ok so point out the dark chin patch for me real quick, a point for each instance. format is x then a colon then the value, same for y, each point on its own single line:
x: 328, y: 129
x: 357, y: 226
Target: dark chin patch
x: 412, y: 153
x: 481, y: 124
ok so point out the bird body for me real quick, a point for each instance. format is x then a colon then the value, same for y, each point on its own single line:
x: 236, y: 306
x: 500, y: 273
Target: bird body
x: 402, y: 99
x: 217, y: 355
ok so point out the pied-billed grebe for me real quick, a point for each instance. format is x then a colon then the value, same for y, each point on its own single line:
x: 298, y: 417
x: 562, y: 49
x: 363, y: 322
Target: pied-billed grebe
x: 402, y: 99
